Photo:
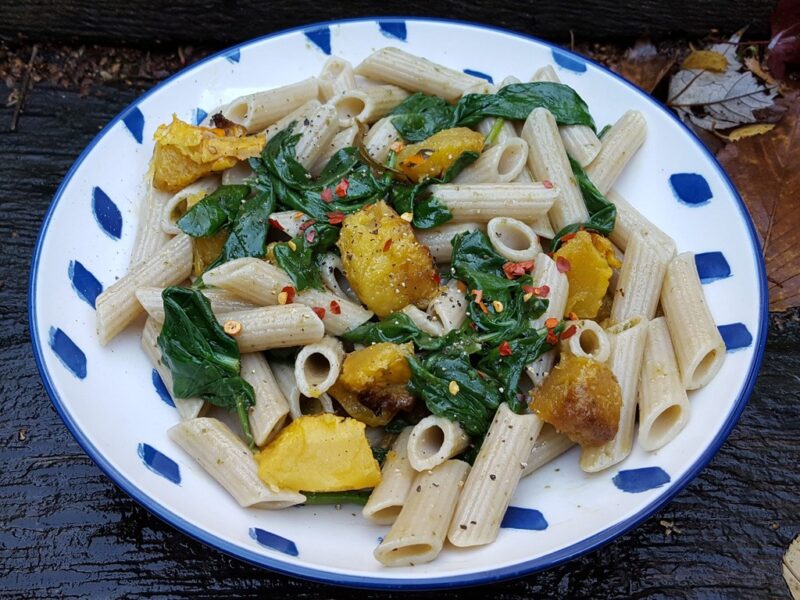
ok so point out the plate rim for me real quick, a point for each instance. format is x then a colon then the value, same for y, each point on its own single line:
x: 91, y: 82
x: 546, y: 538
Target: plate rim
x: 389, y: 583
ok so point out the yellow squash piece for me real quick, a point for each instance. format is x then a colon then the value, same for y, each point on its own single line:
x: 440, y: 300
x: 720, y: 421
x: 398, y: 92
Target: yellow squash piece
x: 581, y: 398
x: 379, y: 369
x: 433, y: 156
x: 184, y: 153
x: 384, y: 263
x: 590, y: 257
x: 205, y: 250
x: 320, y: 453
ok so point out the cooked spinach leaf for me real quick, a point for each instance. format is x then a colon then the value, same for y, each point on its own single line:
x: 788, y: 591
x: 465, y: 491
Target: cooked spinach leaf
x: 299, y: 259
x: 602, y: 213
x: 475, y: 400
x: 214, y: 212
x: 203, y: 359
x: 420, y: 116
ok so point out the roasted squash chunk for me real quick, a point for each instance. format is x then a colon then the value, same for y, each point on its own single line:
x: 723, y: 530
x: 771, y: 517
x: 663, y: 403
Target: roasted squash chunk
x: 384, y: 263
x: 590, y: 258
x: 433, y: 156
x: 371, y: 386
x: 205, y: 250
x: 184, y: 153
x: 320, y: 453
x: 582, y: 399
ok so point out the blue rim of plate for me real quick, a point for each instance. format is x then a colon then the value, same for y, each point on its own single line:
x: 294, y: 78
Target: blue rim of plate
x: 492, y: 575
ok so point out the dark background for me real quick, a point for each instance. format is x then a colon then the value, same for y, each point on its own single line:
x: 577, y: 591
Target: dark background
x: 68, y: 531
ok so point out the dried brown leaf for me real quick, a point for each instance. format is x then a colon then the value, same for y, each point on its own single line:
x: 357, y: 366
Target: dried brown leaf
x: 754, y: 66
x: 766, y: 171
x: 644, y: 65
x: 707, y: 60
x: 747, y: 131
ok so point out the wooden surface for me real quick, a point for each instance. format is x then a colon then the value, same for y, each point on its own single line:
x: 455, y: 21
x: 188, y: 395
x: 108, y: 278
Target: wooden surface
x: 68, y: 531
x: 221, y: 21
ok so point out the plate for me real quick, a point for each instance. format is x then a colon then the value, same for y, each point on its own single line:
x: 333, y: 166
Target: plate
x: 113, y: 403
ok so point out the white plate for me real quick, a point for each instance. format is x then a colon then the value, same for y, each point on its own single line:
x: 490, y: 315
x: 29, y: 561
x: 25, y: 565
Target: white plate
x: 107, y: 396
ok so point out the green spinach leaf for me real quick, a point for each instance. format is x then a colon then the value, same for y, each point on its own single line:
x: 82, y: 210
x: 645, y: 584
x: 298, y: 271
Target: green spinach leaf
x: 203, y: 359
x: 214, y: 212
x: 300, y: 263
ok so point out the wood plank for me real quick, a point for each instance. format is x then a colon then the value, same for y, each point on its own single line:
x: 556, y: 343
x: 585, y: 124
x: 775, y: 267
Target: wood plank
x: 219, y: 23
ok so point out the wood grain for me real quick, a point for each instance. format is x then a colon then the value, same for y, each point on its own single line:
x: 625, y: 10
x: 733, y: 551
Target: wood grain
x: 218, y: 22
x: 67, y: 531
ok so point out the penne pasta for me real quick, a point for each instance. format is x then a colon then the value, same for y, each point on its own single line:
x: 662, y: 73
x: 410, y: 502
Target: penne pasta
x: 188, y: 408
x: 298, y: 116
x: 589, y: 341
x: 336, y: 77
x: 513, y: 239
x: 298, y: 404
x: 225, y: 457
x: 481, y: 202
x: 433, y: 440
x: 344, y: 139
x: 315, y: 134
x: 117, y: 305
x: 317, y: 366
x: 332, y: 272
x: 397, y: 476
x: 416, y: 74
x: 239, y: 174
x: 221, y: 301
x: 639, y: 284
x: 367, y: 105
x: 426, y: 323
x: 549, y: 445
x: 418, y: 533
x: 256, y: 111
x: 699, y: 347
x: 546, y: 273
x: 580, y: 141
x: 289, y: 222
x: 663, y: 403
x: 502, y: 163
x: 619, y: 145
x: 179, y: 203
x: 627, y: 348
x: 449, y: 308
x: 630, y: 221
x: 547, y: 161
x: 261, y: 283
x: 271, y: 408
x: 150, y: 237
x: 438, y: 239
x: 493, y: 478
x: 379, y: 140
x: 275, y: 327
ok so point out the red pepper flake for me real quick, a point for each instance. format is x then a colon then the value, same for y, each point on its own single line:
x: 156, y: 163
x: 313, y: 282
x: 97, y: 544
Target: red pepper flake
x: 311, y: 235
x: 306, y: 224
x: 478, y: 295
x: 505, y: 349
x: 341, y: 188
x: 335, y: 308
x: 562, y: 264
x: 474, y: 327
x: 335, y: 217
x: 569, y: 332
x: 437, y: 279
x: 568, y: 237
x: 326, y: 195
x: 573, y: 317
x: 319, y: 311
x: 518, y: 269
x: 387, y: 245
x: 276, y: 225
x: 542, y: 291
x: 551, y: 323
x: 547, y: 183
x: 551, y: 338
x: 290, y: 293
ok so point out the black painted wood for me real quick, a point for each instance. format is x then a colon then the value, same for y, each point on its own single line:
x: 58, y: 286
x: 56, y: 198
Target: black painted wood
x: 68, y: 531
x: 223, y: 21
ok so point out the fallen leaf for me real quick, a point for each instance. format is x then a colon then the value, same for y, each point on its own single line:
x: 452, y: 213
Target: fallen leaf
x: 784, y: 47
x: 644, y: 65
x: 749, y: 130
x: 791, y: 568
x: 754, y: 66
x: 766, y: 171
x: 706, y: 59
x: 719, y: 100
